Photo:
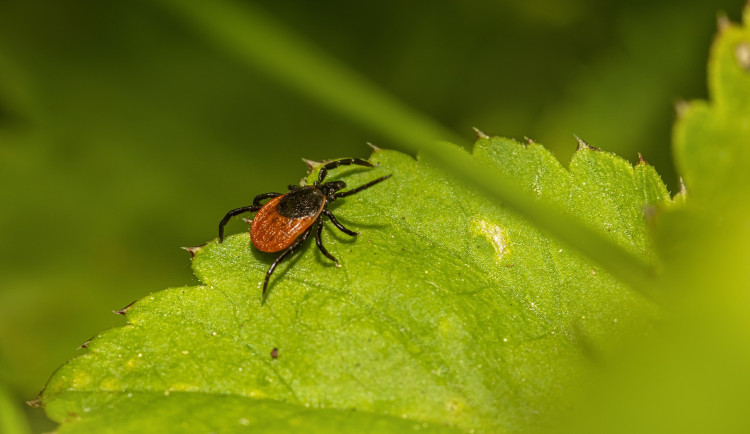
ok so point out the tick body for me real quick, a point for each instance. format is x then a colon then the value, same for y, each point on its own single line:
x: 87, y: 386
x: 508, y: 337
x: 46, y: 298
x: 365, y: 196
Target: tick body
x: 284, y: 218
x: 286, y: 221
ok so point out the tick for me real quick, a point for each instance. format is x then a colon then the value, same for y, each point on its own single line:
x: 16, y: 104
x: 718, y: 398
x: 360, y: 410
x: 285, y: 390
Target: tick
x: 286, y: 221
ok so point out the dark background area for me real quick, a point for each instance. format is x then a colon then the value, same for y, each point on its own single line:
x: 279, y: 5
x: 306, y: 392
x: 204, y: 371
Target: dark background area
x: 125, y: 134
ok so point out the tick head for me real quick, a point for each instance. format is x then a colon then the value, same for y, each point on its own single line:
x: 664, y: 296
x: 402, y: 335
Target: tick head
x: 329, y: 189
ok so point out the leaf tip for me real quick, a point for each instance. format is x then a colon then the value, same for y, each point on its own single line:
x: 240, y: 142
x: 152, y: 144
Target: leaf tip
x: 642, y: 160
x: 480, y: 134
x: 583, y: 145
x: 529, y: 140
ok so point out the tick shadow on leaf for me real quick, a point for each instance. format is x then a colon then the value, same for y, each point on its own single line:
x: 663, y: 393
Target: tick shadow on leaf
x: 289, y: 264
x: 358, y: 224
x: 280, y: 273
x: 329, y: 234
x: 338, y: 244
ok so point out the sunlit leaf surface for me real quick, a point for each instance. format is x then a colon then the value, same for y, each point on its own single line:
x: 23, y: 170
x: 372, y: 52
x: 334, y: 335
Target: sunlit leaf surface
x: 448, y: 312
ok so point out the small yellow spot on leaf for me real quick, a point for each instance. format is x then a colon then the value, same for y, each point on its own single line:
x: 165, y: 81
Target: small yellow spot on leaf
x: 255, y: 393
x: 110, y: 383
x: 184, y: 387
x: 81, y: 380
x: 132, y: 362
x: 454, y: 407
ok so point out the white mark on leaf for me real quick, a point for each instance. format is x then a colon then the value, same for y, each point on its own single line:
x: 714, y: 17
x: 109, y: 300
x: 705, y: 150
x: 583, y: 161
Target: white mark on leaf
x: 742, y: 53
x: 495, y: 235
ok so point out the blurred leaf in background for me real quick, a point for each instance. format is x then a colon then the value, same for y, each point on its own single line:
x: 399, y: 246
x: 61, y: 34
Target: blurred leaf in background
x: 12, y: 418
x: 111, y: 113
x: 692, y: 376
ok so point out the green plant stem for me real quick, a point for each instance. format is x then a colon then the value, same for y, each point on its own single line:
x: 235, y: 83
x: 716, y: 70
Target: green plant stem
x: 253, y: 37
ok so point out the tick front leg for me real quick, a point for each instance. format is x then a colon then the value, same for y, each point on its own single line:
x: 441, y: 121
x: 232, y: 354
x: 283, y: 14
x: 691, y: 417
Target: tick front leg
x: 319, y: 242
x: 258, y: 198
x: 232, y: 213
x: 281, y: 257
x: 361, y: 187
x: 336, y: 223
x: 344, y: 162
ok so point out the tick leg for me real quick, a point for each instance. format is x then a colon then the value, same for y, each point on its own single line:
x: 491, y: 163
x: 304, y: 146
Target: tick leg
x: 339, y: 225
x: 260, y: 197
x: 281, y: 257
x: 250, y: 208
x: 344, y: 162
x: 232, y: 213
x: 361, y: 187
x: 319, y: 242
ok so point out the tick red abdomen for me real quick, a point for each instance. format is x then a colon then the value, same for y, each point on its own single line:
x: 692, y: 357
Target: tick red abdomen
x: 272, y: 232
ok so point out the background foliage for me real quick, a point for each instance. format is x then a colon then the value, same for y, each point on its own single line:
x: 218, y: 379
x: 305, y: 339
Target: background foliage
x: 124, y: 134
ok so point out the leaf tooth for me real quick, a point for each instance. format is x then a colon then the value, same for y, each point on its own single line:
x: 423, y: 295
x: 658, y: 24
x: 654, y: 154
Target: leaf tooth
x: 642, y: 160
x: 36, y: 402
x: 681, y: 107
x: 583, y: 145
x: 194, y: 250
x: 373, y: 147
x: 683, y: 188
x: 722, y: 22
x: 480, y: 133
x: 311, y: 164
x: 86, y: 344
x: 125, y: 309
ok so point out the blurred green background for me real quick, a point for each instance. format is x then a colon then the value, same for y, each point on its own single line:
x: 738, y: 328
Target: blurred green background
x: 125, y: 134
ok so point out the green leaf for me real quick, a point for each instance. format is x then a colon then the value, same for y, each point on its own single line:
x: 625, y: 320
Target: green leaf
x: 449, y: 311
x: 692, y: 376
x: 12, y: 419
x: 712, y: 146
x: 711, y: 138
